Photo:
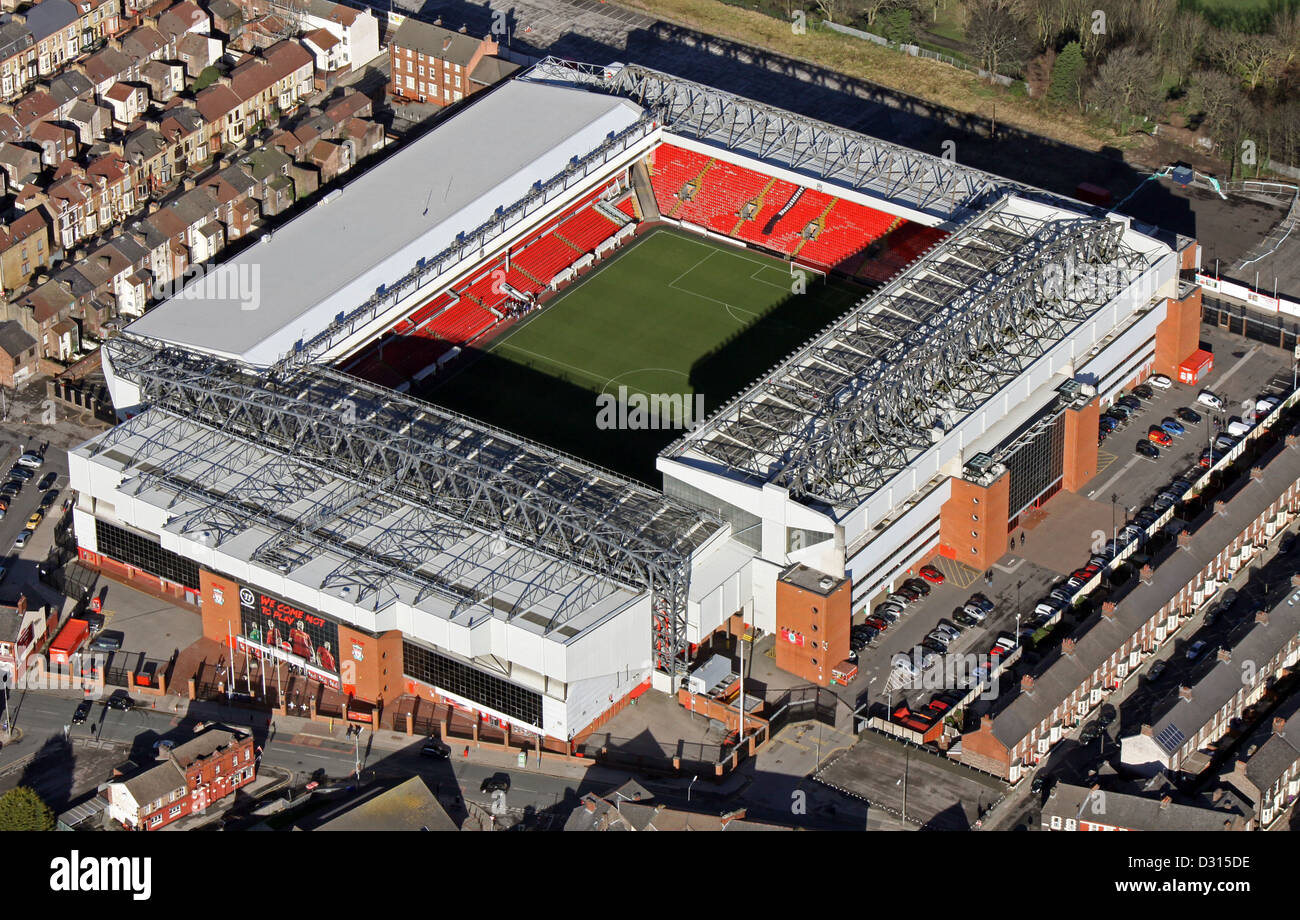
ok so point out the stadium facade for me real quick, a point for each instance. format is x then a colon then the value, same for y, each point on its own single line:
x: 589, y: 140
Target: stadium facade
x: 387, y: 548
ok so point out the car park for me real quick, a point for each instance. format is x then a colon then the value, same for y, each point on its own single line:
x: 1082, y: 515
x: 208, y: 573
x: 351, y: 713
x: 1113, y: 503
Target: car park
x: 1147, y: 449
x: 1208, y: 398
x: 1172, y: 427
x: 1188, y: 415
x: 1160, y: 381
x: 1143, y: 391
x: 1195, y: 650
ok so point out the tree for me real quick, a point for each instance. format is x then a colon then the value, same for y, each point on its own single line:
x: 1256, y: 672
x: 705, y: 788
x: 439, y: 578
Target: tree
x: 1126, y: 87
x: 996, y: 35
x: 1255, y: 60
x: 896, y: 25
x: 21, y: 809
x: 1068, y: 72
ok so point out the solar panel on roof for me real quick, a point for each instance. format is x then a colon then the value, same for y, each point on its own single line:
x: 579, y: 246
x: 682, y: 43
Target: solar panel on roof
x: 1171, y: 738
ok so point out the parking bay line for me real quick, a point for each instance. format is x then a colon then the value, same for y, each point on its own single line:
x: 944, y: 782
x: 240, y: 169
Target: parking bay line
x: 1118, y: 473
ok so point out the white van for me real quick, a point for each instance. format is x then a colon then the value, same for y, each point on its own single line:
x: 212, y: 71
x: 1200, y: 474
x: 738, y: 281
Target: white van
x: 1237, y: 429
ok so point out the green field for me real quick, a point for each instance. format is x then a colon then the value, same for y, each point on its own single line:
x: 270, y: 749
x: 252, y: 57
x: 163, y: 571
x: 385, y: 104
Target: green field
x: 671, y: 314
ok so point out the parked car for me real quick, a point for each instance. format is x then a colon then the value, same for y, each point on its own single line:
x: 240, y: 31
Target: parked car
x: 1156, y: 670
x: 1159, y: 437
x: 1266, y: 404
x: 1188, y: 415
x: 1195, y: 650
x: 35, y: 520
x: 120, y: 700
x: 1160, y: 381
x: 1107, y: 715
x: 877, y: 623
x: 931, y: 644
x: 1225, y: 442
x: 910, y: 593
x: 982, y: 602
x: 1207, y: 398
x: 83, y: 711
x: 19, y: 473
x: 949, y: 629
x: 49, y: 498
x: 1120, y: 411
x: 107, y: 641
x: 32, y: 461
x: 1147, y: 450
x: 960, y: 617
x: 901, y: 600
x: 1144, y: 391
x: 1048, y: 609
x: 919, y: 586
x: 931, y: 574
x: 497, y: 782
x: 435, y: 749
x: 1091, y: 732
x: 1107, y: 423
x: 1172, y: 427
x: 1287, y: 544
x: 888, y: 614
x: 48, y: 480
x: 905, y: 664
x: 21, y: 540
x: 1130, y: 402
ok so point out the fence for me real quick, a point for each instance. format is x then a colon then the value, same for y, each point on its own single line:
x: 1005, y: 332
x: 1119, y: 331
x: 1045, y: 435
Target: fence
x: 802, y: 704
x: 918, y: 51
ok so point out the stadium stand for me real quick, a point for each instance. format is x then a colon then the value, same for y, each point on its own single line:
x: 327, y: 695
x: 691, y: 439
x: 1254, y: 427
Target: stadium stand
x: 896, y: 250
x: 748, y: 205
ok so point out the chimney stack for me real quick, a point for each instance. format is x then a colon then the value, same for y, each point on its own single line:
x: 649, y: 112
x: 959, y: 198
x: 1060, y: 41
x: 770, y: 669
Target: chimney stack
x: 1185, y: 693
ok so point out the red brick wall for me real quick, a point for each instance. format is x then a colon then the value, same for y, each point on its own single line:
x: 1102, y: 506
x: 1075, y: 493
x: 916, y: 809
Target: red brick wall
x: 1080, y: 446
x: 978, y: 543
x: 979, y: 749
x: 1179, y: 335
x: 824, y: 624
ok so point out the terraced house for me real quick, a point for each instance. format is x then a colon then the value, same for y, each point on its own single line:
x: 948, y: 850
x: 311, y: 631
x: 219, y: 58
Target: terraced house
x: 44, y: 38
x: 1023, y: 725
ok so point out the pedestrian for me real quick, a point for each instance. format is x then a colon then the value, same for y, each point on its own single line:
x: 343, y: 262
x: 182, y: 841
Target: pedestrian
x: 1022, y: 538
x: 1013, y: 544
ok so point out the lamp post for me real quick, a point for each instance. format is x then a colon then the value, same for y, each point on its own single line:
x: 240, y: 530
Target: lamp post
x: 1114, y: 498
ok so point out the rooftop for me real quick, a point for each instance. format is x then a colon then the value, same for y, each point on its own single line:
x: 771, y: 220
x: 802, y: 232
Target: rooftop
x: 330, y: 259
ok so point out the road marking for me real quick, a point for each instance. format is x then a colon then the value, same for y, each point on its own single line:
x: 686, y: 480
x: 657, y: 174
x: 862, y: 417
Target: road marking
x: 1118, y: 473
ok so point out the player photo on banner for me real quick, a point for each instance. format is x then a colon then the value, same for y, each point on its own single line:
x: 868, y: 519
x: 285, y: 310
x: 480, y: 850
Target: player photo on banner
x: 290, y: 633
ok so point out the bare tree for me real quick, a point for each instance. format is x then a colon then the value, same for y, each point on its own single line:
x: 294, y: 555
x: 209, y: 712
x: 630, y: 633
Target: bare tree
x: 996, y: 35
x: 1126, y: 86
x: 1286, y: 29
x: 1255, y: 60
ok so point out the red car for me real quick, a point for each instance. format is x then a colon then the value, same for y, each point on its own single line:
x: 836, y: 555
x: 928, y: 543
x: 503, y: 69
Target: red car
x: 1156, y: 436
x: 931, y: 574
x: 877, y: 622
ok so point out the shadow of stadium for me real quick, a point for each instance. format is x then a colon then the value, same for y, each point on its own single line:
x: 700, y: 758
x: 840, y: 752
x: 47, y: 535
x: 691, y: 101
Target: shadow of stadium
x: 851, y: 103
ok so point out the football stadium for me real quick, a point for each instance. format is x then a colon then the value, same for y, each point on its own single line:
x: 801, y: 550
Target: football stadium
x: 856, y: 358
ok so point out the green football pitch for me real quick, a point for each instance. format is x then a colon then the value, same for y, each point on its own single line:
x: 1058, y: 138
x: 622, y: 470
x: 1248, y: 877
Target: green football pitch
x: 671, y: 314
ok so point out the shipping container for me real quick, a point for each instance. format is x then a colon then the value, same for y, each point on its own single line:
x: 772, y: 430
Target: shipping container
x: 68, y: 641
x: 1196, y: 366
x: 1092, y: 194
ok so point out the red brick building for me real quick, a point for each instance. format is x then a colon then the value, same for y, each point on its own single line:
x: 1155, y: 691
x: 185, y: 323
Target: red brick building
x: 438, y: 66
x: 189, y: 778
x: 813, y: 618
